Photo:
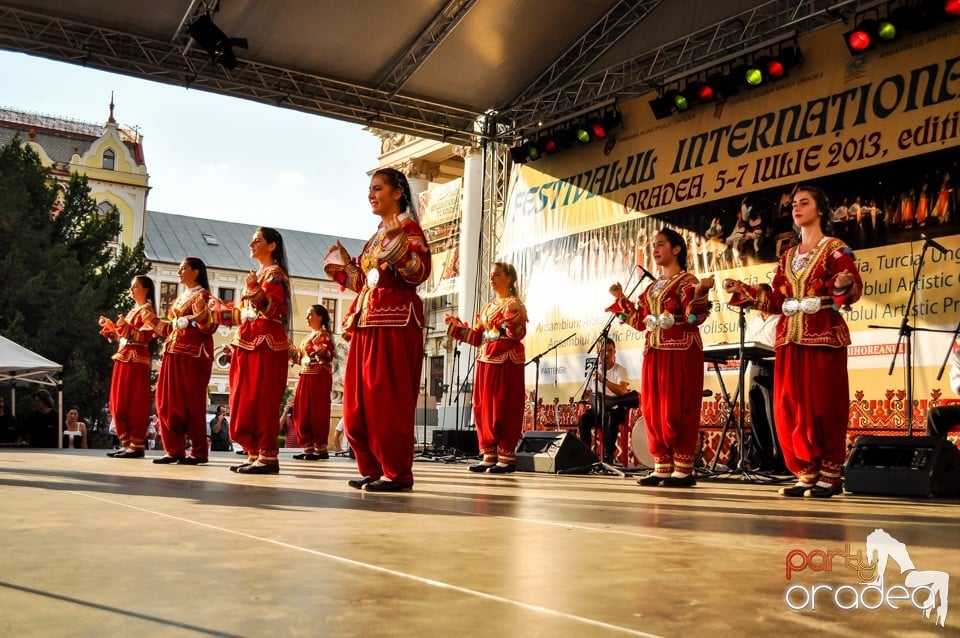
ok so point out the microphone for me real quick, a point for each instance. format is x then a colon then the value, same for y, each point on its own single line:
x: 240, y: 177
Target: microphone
x: 933, y: 244
x: 645, y: 273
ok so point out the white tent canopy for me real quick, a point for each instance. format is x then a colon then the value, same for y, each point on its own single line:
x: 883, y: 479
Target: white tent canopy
x: 20, y: 364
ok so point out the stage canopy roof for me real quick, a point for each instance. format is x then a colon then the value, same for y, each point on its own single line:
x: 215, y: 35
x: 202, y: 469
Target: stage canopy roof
x: 20, y: 364
x: 432, y: 68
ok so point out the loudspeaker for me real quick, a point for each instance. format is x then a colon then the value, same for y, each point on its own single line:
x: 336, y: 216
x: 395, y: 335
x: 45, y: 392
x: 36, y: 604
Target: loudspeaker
x: 553, y: 452
x: 465, y: 441
x: 903, y: 466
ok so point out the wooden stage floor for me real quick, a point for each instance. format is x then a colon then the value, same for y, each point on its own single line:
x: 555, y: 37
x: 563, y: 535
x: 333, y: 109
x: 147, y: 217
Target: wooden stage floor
x: 94, y: 546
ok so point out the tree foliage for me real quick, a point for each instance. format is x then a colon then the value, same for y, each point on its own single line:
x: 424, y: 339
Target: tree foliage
x: 58, y: 274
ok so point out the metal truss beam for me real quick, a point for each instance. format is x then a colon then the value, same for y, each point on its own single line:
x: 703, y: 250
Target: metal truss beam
x: 646, y: 71
x: 614, y: 25
x: 426, y: 43
x: 167, y: 62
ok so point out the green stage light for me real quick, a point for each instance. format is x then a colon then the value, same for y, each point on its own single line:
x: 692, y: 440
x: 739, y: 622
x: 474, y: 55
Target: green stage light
x: 753, y: 76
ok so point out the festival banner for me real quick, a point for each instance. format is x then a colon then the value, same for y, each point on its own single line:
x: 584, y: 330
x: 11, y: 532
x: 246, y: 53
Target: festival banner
x: 440, y: 211
x: 879, y: 132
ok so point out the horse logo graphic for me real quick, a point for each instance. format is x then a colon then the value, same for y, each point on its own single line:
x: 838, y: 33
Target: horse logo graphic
x: 882, y: 548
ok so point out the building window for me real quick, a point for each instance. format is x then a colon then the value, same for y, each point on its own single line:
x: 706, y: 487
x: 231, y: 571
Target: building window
x: 331, y: 306
x: 109, y: 160
x: 226, y: 294
x: 106, y: 208
x: 168, y: 294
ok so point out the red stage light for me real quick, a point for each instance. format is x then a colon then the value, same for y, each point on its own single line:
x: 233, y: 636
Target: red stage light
x: 775, y: 69
x: 859, y: 40
x: 952, y: 7
x: 705, y: 93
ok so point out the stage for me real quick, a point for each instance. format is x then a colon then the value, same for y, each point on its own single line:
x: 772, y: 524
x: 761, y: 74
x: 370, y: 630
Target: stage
x: 115, y: 547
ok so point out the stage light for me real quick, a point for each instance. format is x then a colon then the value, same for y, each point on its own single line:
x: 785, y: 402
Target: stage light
x: 209, y: 36
x: 533, y: 151
x: 680, y: 101
x: 952, y: 8
x: 862, y: 37
x: 549, y: 144
x: 518, y: 154
x: 582, y: 133
x: 706, y: 92
x: 753, y: 75
x: 887, y: 30
x: 775, y: 68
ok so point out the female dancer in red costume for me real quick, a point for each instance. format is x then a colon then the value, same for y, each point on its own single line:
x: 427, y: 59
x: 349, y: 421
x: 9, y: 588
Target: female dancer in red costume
x: 812, y: 405
x: 498, y: 398
x: 385, y: 326
x: 185, y: 368
x: 671, y: 310
x: 130, y: 385
x: 259, y: 354
x: 311, y: 415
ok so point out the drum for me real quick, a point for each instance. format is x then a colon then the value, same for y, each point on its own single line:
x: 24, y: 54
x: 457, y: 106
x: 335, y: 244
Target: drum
x: 638, y: 444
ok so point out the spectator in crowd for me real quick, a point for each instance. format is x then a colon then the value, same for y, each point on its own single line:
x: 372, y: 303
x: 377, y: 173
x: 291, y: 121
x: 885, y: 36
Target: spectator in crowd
x: 220, y: 431
x: 74, y: 430
x: 9, y: 430
x: 40, y: 428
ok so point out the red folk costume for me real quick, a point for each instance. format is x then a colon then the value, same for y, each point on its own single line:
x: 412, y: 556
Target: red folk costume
x: 499, y: 394
x: 258, y: 367
x: 185, y: 375
x: 385, y: 328
x: 311, y: 415
x: 812, y: 403
x: 671, y: 388
x: 130, y: 385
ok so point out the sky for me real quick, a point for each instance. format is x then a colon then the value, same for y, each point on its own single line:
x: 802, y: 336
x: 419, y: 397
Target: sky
x: 215, y: 156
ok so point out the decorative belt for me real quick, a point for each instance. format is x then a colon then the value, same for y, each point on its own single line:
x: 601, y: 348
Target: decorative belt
x: 664, y: 321
x: 807, y: 305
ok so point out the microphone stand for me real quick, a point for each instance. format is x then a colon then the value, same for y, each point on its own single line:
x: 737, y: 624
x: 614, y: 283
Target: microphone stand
x: 536, y: 387
x: 599, y: 406
x: 905, y: 333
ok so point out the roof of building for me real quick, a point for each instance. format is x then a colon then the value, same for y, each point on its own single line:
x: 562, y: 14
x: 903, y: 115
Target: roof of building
x: 220, y: 244
x: 60, y: 137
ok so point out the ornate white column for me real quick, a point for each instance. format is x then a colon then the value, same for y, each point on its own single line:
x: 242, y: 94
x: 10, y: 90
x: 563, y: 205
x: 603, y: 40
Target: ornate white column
x: 470, y: 234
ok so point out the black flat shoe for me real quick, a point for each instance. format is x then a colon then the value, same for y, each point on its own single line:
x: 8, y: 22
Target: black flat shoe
x: 129, y: 454
x: 480, y: 467
x: 320, y: 456
x: 166, y: 460
x: 114, y: 452
x: 502, y: 469
x: 383, y: 485
x: 358, y: 484
x: 651, y: 480
x: 302, y: 456
x: 193, y: 460
x: 795, y: 491
x: 679, y: 481
x: 236, y: 468
x: 819, y: 491
x: 258, y: 468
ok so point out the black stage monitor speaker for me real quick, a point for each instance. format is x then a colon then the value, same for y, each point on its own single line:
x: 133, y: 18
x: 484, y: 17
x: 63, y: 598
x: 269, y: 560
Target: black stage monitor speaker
x: 464, y: 441
x: 903, y: 466
x: 553, y: 452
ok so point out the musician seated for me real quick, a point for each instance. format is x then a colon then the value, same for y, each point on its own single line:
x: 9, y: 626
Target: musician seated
x: 759, y: 383
x: 618, y: 399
